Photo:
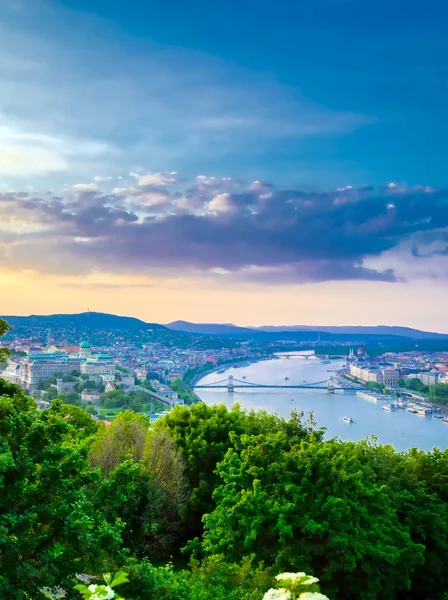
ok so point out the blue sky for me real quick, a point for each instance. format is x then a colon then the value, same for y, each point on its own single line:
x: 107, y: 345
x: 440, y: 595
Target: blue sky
x: 326, y: 92
x: 218, y: 157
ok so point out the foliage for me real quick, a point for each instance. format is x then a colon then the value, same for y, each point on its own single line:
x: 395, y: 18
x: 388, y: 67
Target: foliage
x: 213, y: 579
x: 143, y: 484
x: 203, y: 434
x: 323, y: 508
x: 48, y: 519
x: 4, y: 329
x: 188, y: 396
x: 103, y: 592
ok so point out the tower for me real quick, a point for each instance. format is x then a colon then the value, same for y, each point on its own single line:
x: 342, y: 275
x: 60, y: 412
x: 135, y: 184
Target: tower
x: 85, y: 350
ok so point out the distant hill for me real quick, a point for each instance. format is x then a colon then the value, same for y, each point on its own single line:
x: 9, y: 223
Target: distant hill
x: 386, y: 330
x: 209, y: 328
x: 86, y: 320
x: 355, y: 331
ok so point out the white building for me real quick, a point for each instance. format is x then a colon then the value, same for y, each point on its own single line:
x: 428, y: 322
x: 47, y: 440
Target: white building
x: 90, y: 396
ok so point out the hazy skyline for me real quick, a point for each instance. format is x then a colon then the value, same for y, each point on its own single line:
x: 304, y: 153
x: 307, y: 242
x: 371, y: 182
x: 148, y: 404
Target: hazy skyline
x: 275, y: 164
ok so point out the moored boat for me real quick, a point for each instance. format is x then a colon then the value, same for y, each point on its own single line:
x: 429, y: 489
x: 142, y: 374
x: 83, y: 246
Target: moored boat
x: 389, y: 407
x: 445, y: 419
x: 368, y: 396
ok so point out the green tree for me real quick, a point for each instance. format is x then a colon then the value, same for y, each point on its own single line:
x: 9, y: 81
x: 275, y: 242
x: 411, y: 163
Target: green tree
x: 144, y: 485
x: 50, y: 528
x: 202, y: 433
x: 314, y: 507
x: 4, y: 329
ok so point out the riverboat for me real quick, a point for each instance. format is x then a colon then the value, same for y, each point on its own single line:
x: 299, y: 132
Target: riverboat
x: 437, y: 416
x: 411, y: 409
x: 445, y: 419
x: 424, y: 411
x: 389, y: 407
x: 401, y: 404
x: 368, y: 396
x: 347, y: 420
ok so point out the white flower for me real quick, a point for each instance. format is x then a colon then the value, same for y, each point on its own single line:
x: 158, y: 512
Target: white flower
x: 290, y: 576
x: 101, y: 592
x: 312, y: 596
x: 277, y: 595
x: 110, y: 592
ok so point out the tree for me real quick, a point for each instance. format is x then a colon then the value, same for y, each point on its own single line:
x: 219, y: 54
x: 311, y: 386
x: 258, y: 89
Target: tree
x: 70, y: 398
x: 4, y: 328
x: 50, y: 528
x: 314, y: 507
x: 144, y: 485
x: 125, y: 438
x: 203, y: 435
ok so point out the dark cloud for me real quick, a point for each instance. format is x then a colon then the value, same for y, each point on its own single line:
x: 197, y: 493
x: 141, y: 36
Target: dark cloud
x: 251, y: 232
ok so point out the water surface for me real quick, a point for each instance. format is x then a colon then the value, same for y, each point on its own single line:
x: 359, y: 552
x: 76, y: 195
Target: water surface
x: 400, y: 428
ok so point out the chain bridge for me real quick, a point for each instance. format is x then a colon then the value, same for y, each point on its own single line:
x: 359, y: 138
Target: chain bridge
x: 231, y: 384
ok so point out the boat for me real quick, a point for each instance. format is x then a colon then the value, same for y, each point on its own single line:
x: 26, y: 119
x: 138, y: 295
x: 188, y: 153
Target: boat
x: 412, y: 409
x: 389, y: 407
x: 244, y: 376
x: 347, y: 420
x: 401, y: 404
x: 437, y: 416
x: 325, y: 362
x: 368, y: 396
x: 424, y: 411
x: 445, y: 419
x: 286, y: 378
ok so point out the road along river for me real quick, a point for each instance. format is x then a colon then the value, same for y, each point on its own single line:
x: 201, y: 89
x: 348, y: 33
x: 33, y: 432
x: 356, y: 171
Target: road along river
x: 400, y: 428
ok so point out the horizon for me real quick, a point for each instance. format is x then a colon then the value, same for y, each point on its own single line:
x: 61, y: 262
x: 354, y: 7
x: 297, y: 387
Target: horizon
x: 158, y: 161
x: 226, y: 323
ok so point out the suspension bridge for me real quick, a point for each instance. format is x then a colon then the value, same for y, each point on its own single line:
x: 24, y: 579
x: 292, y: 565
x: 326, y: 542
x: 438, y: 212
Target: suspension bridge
x: 231, y: 384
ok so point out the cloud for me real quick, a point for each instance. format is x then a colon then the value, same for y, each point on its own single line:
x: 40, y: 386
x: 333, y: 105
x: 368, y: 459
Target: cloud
x: 253, y: 233
x: 107, y: 286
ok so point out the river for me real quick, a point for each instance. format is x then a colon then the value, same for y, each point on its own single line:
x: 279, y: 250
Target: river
x: 400, y: 428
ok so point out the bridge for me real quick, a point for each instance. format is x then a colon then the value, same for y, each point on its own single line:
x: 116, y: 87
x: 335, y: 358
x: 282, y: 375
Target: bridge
x: 231, y: 384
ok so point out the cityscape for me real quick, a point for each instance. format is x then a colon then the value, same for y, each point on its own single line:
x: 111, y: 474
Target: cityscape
x: 152, y: 375
x: 223, y: 300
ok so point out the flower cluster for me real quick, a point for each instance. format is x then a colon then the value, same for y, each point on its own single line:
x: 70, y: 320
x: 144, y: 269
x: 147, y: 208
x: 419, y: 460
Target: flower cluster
x: 295, y: 586
x: 103, y: 592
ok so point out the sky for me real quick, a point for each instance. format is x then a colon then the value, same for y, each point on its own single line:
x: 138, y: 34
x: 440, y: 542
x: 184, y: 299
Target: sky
x: 247, y: 162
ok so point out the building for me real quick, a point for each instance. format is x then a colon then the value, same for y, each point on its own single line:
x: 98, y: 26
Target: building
x: 429, y: 377
x: 97, y: 364
x: 387, y: 376
x: 110, y: 386
x: 43, y: 366
x: 65, y: 386
x: 391, y: 377
x: 84, y: 350
x: 90, y: 396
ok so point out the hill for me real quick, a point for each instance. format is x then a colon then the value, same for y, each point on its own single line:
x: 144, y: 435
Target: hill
x: 86, y: 320
x: 209, y: 328
x: 383, y: 331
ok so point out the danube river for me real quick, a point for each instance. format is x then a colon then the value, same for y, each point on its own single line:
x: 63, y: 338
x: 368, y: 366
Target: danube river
x: 400, y: 428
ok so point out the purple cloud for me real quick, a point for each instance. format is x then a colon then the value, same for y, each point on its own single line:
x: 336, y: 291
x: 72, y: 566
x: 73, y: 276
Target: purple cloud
x: 219, y: 226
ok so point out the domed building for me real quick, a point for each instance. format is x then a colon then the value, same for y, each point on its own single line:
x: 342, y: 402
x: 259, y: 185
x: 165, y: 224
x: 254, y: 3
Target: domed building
x: 84, y: 350
x: 361, y: 354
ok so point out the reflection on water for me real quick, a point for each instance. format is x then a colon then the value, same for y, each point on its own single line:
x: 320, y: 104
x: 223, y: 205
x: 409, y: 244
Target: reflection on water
x: 400, y: 428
